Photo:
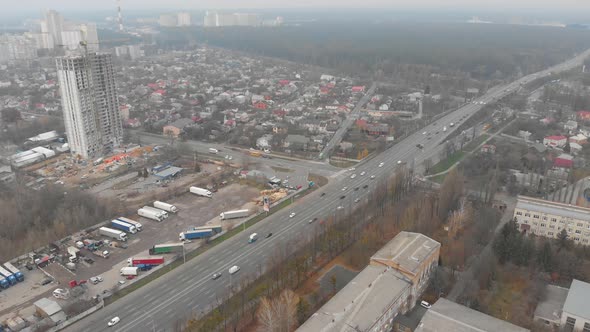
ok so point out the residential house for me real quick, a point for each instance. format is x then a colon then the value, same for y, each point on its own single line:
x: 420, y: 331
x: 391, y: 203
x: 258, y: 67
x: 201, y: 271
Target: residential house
x: 390, y: 285
x: 575, y: 148
x: 296, y: 142
x: 357, y: 89
x: 579, y: 139
x: 378, y: 129
x: 570, y: 126
x: 261, y: 105
x: 280, y: 128
x: 176, y: 128
x: 583, y: 115
x: 555, y: 141
x: 564, y: 161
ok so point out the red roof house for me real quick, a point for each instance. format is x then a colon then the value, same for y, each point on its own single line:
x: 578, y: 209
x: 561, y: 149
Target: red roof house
x: 284, y: 82
x: 358, y: 88
x: 584, y: 115
x: 555, y: 141
x: 260, y: 105
x: 564, y: 161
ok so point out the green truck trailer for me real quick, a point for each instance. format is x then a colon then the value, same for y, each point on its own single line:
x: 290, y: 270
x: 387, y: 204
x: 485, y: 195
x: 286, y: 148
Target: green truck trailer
x: 166, y: 248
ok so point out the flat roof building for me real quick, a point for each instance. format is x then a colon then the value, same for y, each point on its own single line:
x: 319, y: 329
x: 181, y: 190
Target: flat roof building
x: 576, y: 310
x: 448, y: 316
x: 546, y: 218
x: 390, y: 285
x: 549, y: 311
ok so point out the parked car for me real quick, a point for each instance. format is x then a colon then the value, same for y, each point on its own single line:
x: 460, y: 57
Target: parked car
x: 425, y: 304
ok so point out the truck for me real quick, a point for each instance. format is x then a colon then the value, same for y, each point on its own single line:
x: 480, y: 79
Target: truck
x: 147, y: 260
x: 166, y: 248
x: 144, y: 267
x: 216, y: 228
x: 3, y: 282
x: 137, y: 225
x: 129, y: 271
x: 201, y: 192
x: 253, y: 237
x: 8, y: 276
x: 16, y: 272
x: 255, y: 153
x: 73, y: 252
x: 103, y: 254
x: 165, y: 206
x: 234, y: 214
x: 196, y: 234
x: 214, y: 151
x: 123, y: 226
x: 113, y: 233
x: 162, y: 212
x: 150, y: 214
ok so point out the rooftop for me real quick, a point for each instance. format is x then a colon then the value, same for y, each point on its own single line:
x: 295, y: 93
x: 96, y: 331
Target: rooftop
x: 554, y: 208
x: 406, y: 251
x: 360, y: 303
x: 49, y: 307
x: 448, y: 316
x: 550, y: 308
x: 576, y: 302
x: 181, y: 123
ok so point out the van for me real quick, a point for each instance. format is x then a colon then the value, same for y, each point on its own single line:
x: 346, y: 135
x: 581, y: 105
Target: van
x: 234, y: 269
x: 253, y: 237
x: 212, y: 150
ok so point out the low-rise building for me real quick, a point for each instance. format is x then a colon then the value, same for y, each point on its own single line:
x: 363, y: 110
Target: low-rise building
x: 555, y: 141
x: 448, y: 316
x: 546, y: 218
x: 176, y: 127
x: 548, y: 312
x: 575, y: 315
x: 391, y: 284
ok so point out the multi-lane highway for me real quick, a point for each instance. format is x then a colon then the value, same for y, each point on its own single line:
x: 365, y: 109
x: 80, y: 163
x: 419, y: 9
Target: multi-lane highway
x: 190, y: 289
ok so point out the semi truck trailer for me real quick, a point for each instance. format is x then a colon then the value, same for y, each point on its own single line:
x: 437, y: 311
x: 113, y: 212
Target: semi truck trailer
x: 166, y: 248
x: 129, y: 271
x: 147, y: 260
x: 137, y: 225
x: 165, y: 206
x: 151, y: 208
x: 8, y: 276
x: 201, y: 192
x: 123, y: 226
x: 196, y: 234
x: 112, y: 233
x: 150, y: 214
x: 234, y: 214
x: 16, y: 272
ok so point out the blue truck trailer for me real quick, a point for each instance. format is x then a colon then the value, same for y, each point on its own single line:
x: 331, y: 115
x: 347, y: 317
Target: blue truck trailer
x: 16, y: 272
x: 196, y: 234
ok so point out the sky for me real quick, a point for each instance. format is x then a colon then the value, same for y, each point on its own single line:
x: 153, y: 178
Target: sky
x: 36, y: 5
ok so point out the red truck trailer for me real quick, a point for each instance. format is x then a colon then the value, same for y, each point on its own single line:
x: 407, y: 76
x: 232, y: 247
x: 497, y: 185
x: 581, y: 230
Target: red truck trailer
x: 148, y: 260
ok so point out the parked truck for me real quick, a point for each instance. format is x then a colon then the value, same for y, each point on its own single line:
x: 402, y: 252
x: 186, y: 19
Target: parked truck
x: 147, y: 260
x: 214, y: 151
x: 162, y: 212
x: 196, y: 234
x: 16, y: 272
x: 113, y: 233
x: 150, y: 214
x: 73, y: 252
x: 123, y: 226
x: 165, y: 206
x: 137, y: 225
x: 3, y: 282
x: 201, y: 192
x: 8, y: 275
x: 129, y: 271
x: 234, y: 214
x: 216, y: 228
x: 166, y: 248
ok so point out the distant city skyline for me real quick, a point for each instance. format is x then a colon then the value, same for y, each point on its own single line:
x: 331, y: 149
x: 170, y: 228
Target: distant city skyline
x: 32, y: 5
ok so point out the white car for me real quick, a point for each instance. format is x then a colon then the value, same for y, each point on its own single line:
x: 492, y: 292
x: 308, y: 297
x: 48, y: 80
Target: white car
x: 425, y: 304
x: 357, y: 200
x: 340, y: 207
x: 352, y: 169
x: 363, y: 173
x: 399, y: 162
x: 381, y: 164
x: 114, y: 321
x: 344, y: 189
x: 292, y: 215
x: 372, y: 177
x: 424, y: 133
x: 353, y: 176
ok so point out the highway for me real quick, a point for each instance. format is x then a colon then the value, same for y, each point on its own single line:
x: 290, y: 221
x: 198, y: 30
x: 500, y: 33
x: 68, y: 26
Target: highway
x: 189, y: 289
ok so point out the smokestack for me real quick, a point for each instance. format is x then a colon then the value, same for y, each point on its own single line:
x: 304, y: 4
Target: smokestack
x: 120, y: 16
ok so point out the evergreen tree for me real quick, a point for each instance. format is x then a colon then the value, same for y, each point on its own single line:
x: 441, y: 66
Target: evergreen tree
x: 545, y: 257
x: 562, y: 239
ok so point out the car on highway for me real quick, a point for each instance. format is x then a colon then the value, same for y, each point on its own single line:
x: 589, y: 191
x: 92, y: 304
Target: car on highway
x: 342, y: 197
x: 216, y: 275
x: 381, y: 164
x: 268, y: 235
x: 425, y: 304
x: 234, y: 269
x: 357, y: 188
x: 399, y: 162
x: 424, y: 133
x: 340, y: 207
x: 363, y: 173
x: 372, y: 177
x: 353, y: 176
x: 357, y: 200
x: 114, y: 321
x: 420, y: 146
x: 352, y: 169
x: 345, y: 188
x: 365, y: 186
x: 312, y: 220
x: 322, y: 194
x: 292, y: 215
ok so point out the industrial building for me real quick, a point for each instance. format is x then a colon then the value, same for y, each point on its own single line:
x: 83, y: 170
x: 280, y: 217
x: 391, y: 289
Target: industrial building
x: 448, y: 316
x: 90, y: 104
x: 546, y: 218
x: 395, y: 279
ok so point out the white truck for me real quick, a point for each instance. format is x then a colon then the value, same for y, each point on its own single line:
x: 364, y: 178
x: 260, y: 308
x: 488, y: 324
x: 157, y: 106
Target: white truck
x: 162, y: 212
x: 129, y: 271
x: 113, y: 233
x: 234, y: 214
x: 165, y: 206
x: 214, y: 151
x: 131, y: 222
x: 73, y: 252
x: 201, y: 192
x: 150, y: 214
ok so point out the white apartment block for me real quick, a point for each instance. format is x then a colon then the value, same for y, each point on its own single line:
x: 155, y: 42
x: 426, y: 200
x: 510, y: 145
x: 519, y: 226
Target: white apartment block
x: 90, y: 104
x: 184, y: 19
x: 548, y: 219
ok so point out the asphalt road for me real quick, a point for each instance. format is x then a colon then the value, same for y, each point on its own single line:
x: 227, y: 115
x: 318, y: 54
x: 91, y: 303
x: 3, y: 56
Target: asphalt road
x: 189, y: 289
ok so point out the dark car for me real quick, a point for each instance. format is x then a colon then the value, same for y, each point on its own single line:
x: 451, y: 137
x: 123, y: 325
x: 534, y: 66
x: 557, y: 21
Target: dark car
x: 46, y: 281
x: 357, y: 188
x: 322, y: 194
x: 365, y: 186
x: 216, y: 275
x: 268, y: 235
x: 342, y: 197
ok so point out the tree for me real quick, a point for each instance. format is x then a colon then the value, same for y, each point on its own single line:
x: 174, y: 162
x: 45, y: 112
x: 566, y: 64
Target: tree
x: 10, y: 115
x: 567, y: 147
x: 302, y: 310
x: 545, y: 257
x: 562, y: 239
x: 427, y: 165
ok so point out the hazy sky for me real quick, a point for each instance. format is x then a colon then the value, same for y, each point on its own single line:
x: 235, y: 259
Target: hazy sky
x: 33, y: 5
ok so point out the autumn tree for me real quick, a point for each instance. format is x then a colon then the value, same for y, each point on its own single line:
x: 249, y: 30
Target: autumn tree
x: 278, y: 314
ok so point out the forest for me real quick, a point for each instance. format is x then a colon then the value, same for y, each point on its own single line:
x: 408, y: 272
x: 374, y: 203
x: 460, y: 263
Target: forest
x: 485, y: 51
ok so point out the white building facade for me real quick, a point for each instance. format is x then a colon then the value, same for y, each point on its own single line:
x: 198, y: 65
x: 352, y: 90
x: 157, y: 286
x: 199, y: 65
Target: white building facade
x: 90, y: 104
